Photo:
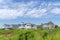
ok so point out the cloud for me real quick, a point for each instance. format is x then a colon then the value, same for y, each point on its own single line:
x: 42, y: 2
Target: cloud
x: 9, y: 13
x: 36, y: 13
x: 34, y: 9
x: 56, y: 3
x: 1, y: 1
x: 14, y: 10
x: 55, y: 10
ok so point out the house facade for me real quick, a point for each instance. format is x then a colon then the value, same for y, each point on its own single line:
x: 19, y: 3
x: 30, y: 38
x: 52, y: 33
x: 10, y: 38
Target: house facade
x: 28, y: 26
x: 49, y: 25
x: 20, y: 26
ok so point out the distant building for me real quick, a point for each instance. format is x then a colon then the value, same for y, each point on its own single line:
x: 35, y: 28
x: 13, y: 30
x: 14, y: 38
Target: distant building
x: 28, y: 26
x: 7, y: 26
x: 49, y: 25
x: 20, y: 26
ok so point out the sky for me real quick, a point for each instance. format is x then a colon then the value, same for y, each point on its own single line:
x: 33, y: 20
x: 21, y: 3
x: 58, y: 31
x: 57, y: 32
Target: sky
x: 29, y: 11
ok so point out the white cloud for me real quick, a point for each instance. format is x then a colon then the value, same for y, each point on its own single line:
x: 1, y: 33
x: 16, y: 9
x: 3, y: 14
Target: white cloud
x: 9, y: 13
x: 12, y: 10
x: 55, y: 10
x: 36, y: 13
x: 56, y: 3
x: 1, y: 1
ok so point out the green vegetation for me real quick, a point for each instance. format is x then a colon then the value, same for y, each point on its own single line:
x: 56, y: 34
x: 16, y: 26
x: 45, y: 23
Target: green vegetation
x: 30, y: 34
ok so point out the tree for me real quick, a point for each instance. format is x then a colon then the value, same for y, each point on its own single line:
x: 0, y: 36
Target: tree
x: 39, y: 27
x: 56, y: 26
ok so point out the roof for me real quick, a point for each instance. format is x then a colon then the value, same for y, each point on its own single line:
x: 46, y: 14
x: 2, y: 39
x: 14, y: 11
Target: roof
x: 50, y: 22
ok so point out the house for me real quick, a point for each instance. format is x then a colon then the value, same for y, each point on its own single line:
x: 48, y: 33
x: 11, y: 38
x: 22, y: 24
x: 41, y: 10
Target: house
x: 20, y: 26
x: 7, y: 26
x: 28, y: 26
x: 49, y: 25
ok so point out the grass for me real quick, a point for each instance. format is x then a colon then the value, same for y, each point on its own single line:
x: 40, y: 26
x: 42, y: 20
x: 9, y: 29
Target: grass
x: 22, y: 34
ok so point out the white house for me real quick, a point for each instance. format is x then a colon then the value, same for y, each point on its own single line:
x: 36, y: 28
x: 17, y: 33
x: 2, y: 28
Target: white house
x: 49, y: 25
x: 28, y: 26
x: 7, y: 26
x: 20, y: 26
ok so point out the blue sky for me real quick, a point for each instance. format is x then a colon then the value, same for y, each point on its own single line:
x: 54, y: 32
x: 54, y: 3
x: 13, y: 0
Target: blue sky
x: 30, y: 11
